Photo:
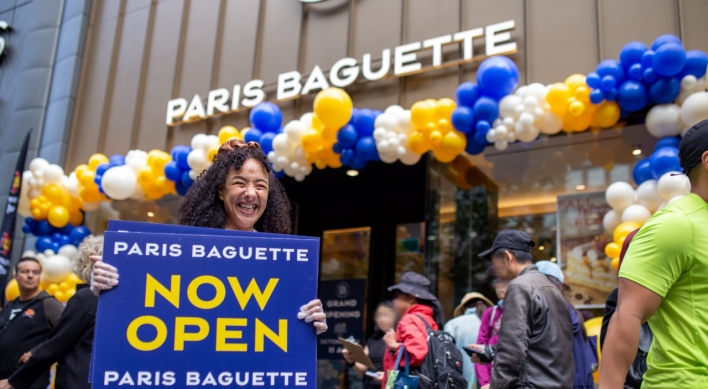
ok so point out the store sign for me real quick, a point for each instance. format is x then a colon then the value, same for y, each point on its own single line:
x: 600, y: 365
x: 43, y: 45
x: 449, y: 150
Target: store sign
x: 343, y: 302
x: 344, y: 73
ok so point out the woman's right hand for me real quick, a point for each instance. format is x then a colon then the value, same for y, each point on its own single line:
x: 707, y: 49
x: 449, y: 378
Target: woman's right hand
x: 348, y: 356
x: 104, y: 276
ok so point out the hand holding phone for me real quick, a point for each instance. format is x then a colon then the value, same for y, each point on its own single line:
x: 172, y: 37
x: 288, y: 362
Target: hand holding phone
x: 479, y: 354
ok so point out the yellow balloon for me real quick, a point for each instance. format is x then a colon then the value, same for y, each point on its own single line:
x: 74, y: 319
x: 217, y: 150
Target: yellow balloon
x: 90, y: 193
x: 86, y: 177
x: 422, y: 113
x: 333, y: 160
x: 442, y: 156
x: 69, y: 294
x: 61, y: 296
x: 582, y: 93
x: 574, y: 81
x: 74, y: 279
x: 444, y: 126
x: 592, y: 328
x: 212, y: 153
x: 64, y: 286
x: 576, y: 108
x: 53, y: 193
x: 612, y: 250
x: 329, y: 135
x: 454, y: 142
x: 576, y: 123
x: 333, y: 107
x: 227, y: 133
x: 444, y: 108
x: 615, y: 263
x: 52, y: 289
x: 76, y: 218
x: 311, y: 157
x: 58, y: 216
x: 418, y: 143
x: 607, y: 114
x: 311, y: 141
x: 436, y: 138
x: 96, y: 160
x: 623, y: 230
x: 159, y: 162
x: 80, y: 169
x: 316, y: 124
x: 321, y: 164
x: 557, y: 97
x: 12, y: 290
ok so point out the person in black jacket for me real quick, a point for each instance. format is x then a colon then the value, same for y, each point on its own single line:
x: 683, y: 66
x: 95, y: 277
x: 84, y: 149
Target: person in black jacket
x: 25, y: 322
x: 71, y: 341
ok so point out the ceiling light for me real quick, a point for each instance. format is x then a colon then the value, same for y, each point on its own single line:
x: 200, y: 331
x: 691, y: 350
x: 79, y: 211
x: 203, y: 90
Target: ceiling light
x: 541, y: 248
x: 580, y: 187
x: 636, y: 151
x: 150, y: 214
x: 352, y: 173
x: 553, y: 259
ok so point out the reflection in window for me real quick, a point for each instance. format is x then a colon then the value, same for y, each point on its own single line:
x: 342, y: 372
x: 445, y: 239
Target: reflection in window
x: 345, y: 253
x: 410, y: 249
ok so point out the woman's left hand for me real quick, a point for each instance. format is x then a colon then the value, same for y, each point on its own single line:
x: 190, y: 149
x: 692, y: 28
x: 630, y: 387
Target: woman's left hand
x: 312, y: 312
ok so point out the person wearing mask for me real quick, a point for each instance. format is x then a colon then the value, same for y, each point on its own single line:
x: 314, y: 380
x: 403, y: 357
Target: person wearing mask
x: 664, y: 281
x: 385, y: 319
x: 536, y: 336
x: 489, y: 331
x: 639, y: 367
x: 25, y: 322
x: 416, y: 306
x: 585, y: 362
x: 464, y: 327
x: 71, y: 340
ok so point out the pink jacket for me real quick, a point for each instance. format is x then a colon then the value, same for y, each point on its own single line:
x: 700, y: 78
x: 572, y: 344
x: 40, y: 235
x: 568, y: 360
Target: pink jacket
x: 484, y: 372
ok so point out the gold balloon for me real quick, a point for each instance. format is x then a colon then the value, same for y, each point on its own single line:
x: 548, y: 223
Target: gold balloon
x: 333, y: 107
x: 422, y: 113
x: 607, y: 114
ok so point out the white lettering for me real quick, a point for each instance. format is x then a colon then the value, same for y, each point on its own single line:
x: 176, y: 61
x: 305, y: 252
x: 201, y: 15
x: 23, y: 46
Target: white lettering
x: 144, y: 378
x: 300, y: 379
x: 175, y: 250
x: 260, y: 253
x: 229, y: 252
x: 317, y: 80
x: 492, y: 38
x: 214, y: 253
x: 197, y: 251
x: 383, y: 70
x: 272, y: 378
x: 192, y: 378
x: 466, y: 38
x: 175, y: 108
x: 289, y: 85
x: 195, y: 110
x: 168, y: 379
x: 253, y: 93
x: 350, y: 72
x: 244, y: 256
x: 436, y: 44
x: 403, y: 58
x: 209, y: 380
x: 302, y: 255
x: 135, y: 250
x: 225, y: 379
x: 238, y: 379
x: 110, y: 376
x: 216, y: 100
x: 236, y: 97
x: 257, y: 379
x: 275, y: 253
x: 152, y: 248
x: 119, y: 246
x: 126, y: 380
x: 287, y: 253
x: 287, y: 377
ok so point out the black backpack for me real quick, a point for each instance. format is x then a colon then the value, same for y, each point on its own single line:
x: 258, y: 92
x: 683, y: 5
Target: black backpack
x: 442, y: 367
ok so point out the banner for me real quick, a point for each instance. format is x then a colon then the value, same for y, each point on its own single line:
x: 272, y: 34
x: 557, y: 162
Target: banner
x: 8, y: 221
x: 343, y: 302
x: 206, y: 310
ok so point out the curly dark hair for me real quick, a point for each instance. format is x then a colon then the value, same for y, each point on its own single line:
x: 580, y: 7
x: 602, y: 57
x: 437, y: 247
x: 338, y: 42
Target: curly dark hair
x: 202, y: 206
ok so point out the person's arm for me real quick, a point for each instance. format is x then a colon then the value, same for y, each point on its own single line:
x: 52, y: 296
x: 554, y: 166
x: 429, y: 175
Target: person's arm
x: 610, y: 307
x: 512, y: 347
x: 485, y: 331
x: 359, y: 368
x: 415, y: 340
x: 61, y: 340
x: 53, y: 311
x: 635, y: 306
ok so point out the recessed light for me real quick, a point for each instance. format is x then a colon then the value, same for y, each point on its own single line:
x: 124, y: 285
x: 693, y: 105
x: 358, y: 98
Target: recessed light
x: 352, y: 173
x: 150, y: 214
x: 553, y: 259
x: 636, y: 151
x: 580, y: 187
x: 541, y: 248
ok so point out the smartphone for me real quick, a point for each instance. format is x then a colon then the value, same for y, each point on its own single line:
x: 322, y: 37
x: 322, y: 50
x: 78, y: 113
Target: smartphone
x: 481, y: 355
x: 373, y: 374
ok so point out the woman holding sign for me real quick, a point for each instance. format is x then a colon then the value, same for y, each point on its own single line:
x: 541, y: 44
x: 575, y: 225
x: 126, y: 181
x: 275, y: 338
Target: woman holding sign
x: 238, y: 192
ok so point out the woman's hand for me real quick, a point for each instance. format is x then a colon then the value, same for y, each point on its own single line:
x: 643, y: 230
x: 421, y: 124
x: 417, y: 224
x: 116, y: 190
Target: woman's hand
x: 5, y: 385
x: 104, y: 276
x: 390, y: 340
x: 379, y: 376
x: 348, y: 356
x: 312, y: 312
x: 475, y: 358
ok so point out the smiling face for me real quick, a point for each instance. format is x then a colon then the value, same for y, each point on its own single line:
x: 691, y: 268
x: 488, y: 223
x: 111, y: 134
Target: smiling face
x: 245, y: 195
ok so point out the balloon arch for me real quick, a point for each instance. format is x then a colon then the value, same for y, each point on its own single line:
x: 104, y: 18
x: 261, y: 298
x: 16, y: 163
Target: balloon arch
x: 494, y: 111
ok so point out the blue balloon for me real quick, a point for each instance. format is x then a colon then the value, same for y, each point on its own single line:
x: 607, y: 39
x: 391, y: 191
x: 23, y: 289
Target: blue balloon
x: 611, y: 94
x: 178, y: 149
x: 467, y: 94
x: 66, y: 230
x: 116, y: 160
x: 186, y: 180
x: 480, y: 138
x: 355, y: 116
x: 669, y: 141
x: 463, y: 119
x: 632, y: 53
x: 44, y: 228
x: 173, y: 172
x: 252, y: 135
x: 347, y: 156
x: 366, y: 148
x: 79, y: 233
x: 647, y: 59
x: 474, y: 148
x: 63, y: 240
x: 181, y: 189
x: 100, y: 169
x: 665, y: 90
x: 97, y: 180
x: 55, y: 247
x: 357, y: 163
x: 347, y: 136
x: 611, y: 67
x: 696, y: 63
x: 279, y: 174
x: 266, y: 142
x: 608, y: 83
x: 669, y: 60
x: 486, y: 109
x: 43, y: 244
x: 632, y: 96
x: 26, y: 230
x: 337, y: 148
x: 664, y: 160
x: 593, y: 80
x: 664, y: 39
x: 483, y: 127
x: 635, y: 72
x: 497, y: 77
x: 266, y: 117
x: 596, y: 96
x: 650, y: 75
x: 365, y: 122
x: 180, y: 155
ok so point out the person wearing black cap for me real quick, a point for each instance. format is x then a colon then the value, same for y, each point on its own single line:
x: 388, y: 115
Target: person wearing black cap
x: 414, y: 303
x: 536, y: 336
x: 664, y: 281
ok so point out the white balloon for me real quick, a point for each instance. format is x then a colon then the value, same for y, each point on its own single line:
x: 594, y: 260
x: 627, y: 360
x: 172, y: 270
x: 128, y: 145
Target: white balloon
x: 508, y: 122
x: 410, y: 158
x: 211, y: 142
x: 299, y: 177
x: 282, y: 144
x: 636, y: 213
x: 695, y: 109
x: 501, y: 145
x: 700, y: 86
x: 272, y: 157
x: 119, y: 182
x: 648, y: 195
x: 386, y: 121
x: 388, y: 158
x: 294, y: 166
x: 401, y: 151
x: 663, y: 205
x: 277, y: 168
x: 192, y: 174
x: 673, y: 184
x: 538, y: 91
x: 34, y: 193
x: 294, y: 130
x: 38, y: 165
x: 674, y: 199
x: 511, y: 137
x: 508, y: 104
x: 620, y: 195
x: 28, y: 253
x: 491, y: 135
x: 197, y: 160
x: 403, y: 139
x: 68, y: 251
x: 551, y: 124
x: 393, y: 142
x: 73, y: 185
x: 56, y: 268
x: 306, y: 169
x: 611, y: 220
x: 383, y: 145
x: 393, y: 109
x: 136, y: 160
x: 538, y: 114
x: 521, y: 91
x: 497, y: 122
x: 526, y: 119
x: 689, y: 82
x: 500, y: 133
x: 664, y: 120
x: 519, y: 110
x: 198, y: 141
x: 48, y: 252
x: 404, y: 121
x: 530, y: 103
x: 379, y: 134
x: 282, y: 161
x: 53, y: 174
x: 527, y: 134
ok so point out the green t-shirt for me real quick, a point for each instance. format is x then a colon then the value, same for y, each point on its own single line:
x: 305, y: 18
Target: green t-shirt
x: 669, y: 256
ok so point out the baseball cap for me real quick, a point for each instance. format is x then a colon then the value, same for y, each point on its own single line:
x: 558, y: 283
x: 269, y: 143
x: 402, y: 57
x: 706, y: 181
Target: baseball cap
x: 510, y: 240
x: 693, y: 145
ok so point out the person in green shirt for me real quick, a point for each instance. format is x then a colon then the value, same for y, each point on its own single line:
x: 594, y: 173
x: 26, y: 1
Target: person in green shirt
x: 664, y: 280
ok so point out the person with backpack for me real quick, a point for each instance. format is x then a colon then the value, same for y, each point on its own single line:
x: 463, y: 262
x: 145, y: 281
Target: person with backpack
x: 489, y: 331
x: 417, y: 335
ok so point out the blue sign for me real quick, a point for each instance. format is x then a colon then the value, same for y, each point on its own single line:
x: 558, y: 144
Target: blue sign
x: 206, y: 310
x: 343, y: 302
